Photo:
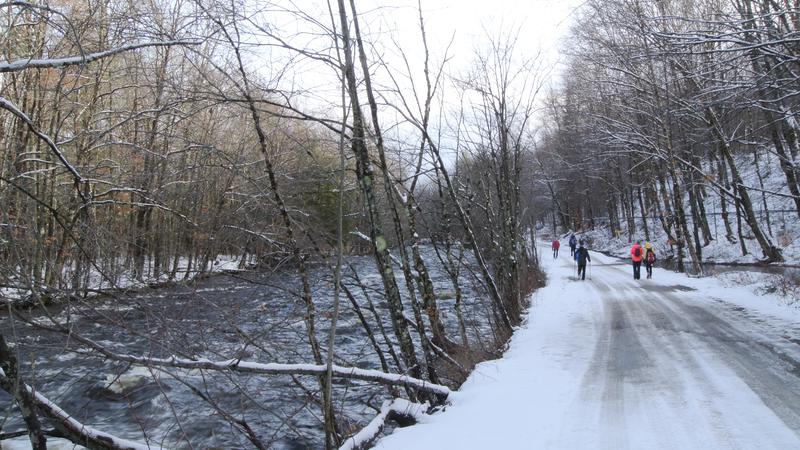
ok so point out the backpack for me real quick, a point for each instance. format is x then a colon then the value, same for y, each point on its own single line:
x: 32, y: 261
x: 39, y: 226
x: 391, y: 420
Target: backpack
x: 637, y: 252
x: 651, y: 257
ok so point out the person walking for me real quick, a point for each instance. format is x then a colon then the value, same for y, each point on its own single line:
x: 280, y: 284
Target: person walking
x: 573, y: 242
x: 581, y: 256
x: 636, y: 256
x: 649, y: 259
x: 556, y: 246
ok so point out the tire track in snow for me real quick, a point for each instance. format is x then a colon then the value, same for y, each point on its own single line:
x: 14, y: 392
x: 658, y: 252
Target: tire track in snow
x: 613, y: 363
x: 698, y: 346
x: 618, y: 362
x: 661, y: 356
x: 770, y: 373
x: 686, y: 418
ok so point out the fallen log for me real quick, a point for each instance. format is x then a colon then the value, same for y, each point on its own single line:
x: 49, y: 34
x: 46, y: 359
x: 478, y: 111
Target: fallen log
x: 398, y: 409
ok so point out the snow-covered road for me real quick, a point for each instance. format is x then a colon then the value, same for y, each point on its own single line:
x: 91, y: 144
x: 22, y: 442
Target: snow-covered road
x: 613, y: 363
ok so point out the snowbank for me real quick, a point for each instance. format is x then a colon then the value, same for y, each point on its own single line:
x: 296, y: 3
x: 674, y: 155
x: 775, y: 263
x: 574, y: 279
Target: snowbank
x: 534, y: 397
x: 98, y: 283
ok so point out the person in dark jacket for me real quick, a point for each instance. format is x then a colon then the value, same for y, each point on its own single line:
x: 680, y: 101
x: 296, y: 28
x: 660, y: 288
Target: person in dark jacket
x: 573, y: 242
x: 581, y: 256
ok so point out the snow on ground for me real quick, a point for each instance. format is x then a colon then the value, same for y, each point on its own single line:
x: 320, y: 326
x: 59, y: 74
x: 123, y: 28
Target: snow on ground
x: 562, y: 382
x: 126, y: 280
x: 775, y: 213
x: 781, y: 289
x: 766, y: 292
x: 528, y: 389
x: 719, y: 251
x: 742, y: 288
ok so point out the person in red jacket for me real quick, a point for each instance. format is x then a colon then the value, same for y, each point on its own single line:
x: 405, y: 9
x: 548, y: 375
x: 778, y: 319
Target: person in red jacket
x: 637, y: 253
x: 556, y: 246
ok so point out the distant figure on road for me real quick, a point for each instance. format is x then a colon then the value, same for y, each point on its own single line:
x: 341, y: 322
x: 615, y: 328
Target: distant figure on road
x: 573, y: 242
x: 636, y: 256
x: 582, y: 255
x: 649, y: 259
x: 556, y: 246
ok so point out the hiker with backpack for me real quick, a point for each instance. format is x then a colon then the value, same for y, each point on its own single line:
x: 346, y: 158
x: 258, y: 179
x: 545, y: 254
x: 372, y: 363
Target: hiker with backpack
x: 649, y: 259
x: 637, y: 254
x: 556, y: 246
x: 581, y: 256
x: 573, y: 242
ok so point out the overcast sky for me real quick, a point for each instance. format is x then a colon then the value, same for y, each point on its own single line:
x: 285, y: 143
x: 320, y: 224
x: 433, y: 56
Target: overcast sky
x: 392, y: 26
x: 541, y: 23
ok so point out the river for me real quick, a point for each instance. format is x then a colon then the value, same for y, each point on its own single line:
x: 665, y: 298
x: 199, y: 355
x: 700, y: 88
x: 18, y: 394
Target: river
x: 255, y: 316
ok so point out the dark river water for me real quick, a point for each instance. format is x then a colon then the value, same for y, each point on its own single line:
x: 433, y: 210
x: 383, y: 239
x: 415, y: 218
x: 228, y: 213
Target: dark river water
x: 249, y: 315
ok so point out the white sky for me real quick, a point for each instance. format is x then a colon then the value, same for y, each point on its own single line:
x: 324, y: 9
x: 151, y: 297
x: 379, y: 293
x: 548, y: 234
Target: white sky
x: 391, y: 25
x: 540, y: 24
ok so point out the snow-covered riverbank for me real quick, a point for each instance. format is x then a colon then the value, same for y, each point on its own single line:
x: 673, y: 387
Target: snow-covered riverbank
x: 672, y: 362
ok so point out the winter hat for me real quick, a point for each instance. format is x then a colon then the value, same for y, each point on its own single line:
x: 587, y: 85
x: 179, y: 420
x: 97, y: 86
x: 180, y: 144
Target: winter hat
x: 648, y: 246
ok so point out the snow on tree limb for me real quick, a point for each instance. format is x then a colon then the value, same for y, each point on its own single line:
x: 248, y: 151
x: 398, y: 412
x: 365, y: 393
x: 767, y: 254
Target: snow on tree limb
x: 366, y: 238
x: 13, y: 109
x: 52, y: 63
x: 238, y: 365
x: 74, y: 430
x: 44, y: 11
x: 289, y: 369
x: 367, y: 435
x: 80, y: 433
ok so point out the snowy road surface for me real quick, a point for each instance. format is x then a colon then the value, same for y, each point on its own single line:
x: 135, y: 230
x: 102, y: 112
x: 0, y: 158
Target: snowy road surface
x: 613, y: 363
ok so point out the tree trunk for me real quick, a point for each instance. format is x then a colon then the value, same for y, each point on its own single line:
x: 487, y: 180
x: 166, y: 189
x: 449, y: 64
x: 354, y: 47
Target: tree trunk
x: 643, y: 212
x: 771, y: 252
x: 366, y: 180
x: 722, y: 174
x: 682, y: 230
x: 24, y: 400
x: 764, y: 205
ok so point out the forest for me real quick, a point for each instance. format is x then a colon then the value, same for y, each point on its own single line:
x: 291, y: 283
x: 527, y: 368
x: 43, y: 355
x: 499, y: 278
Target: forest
x: 146, y: 144
x: 679, y: 119
x: 283, y: 225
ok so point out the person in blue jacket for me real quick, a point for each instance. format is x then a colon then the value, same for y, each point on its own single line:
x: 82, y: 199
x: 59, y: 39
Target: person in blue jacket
x: 581, y: 256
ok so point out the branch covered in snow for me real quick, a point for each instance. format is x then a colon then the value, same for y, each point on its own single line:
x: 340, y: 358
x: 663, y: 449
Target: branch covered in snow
x: 13, y: 109
x: 52, y: 63
x: 366, y: 238
x: 397, y: 407
x: 80, y: 433
x: 287, y: 369
x: 361, y: 236
x: 75, y: 431
x: 237, y: 365
x: 261, y: 236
